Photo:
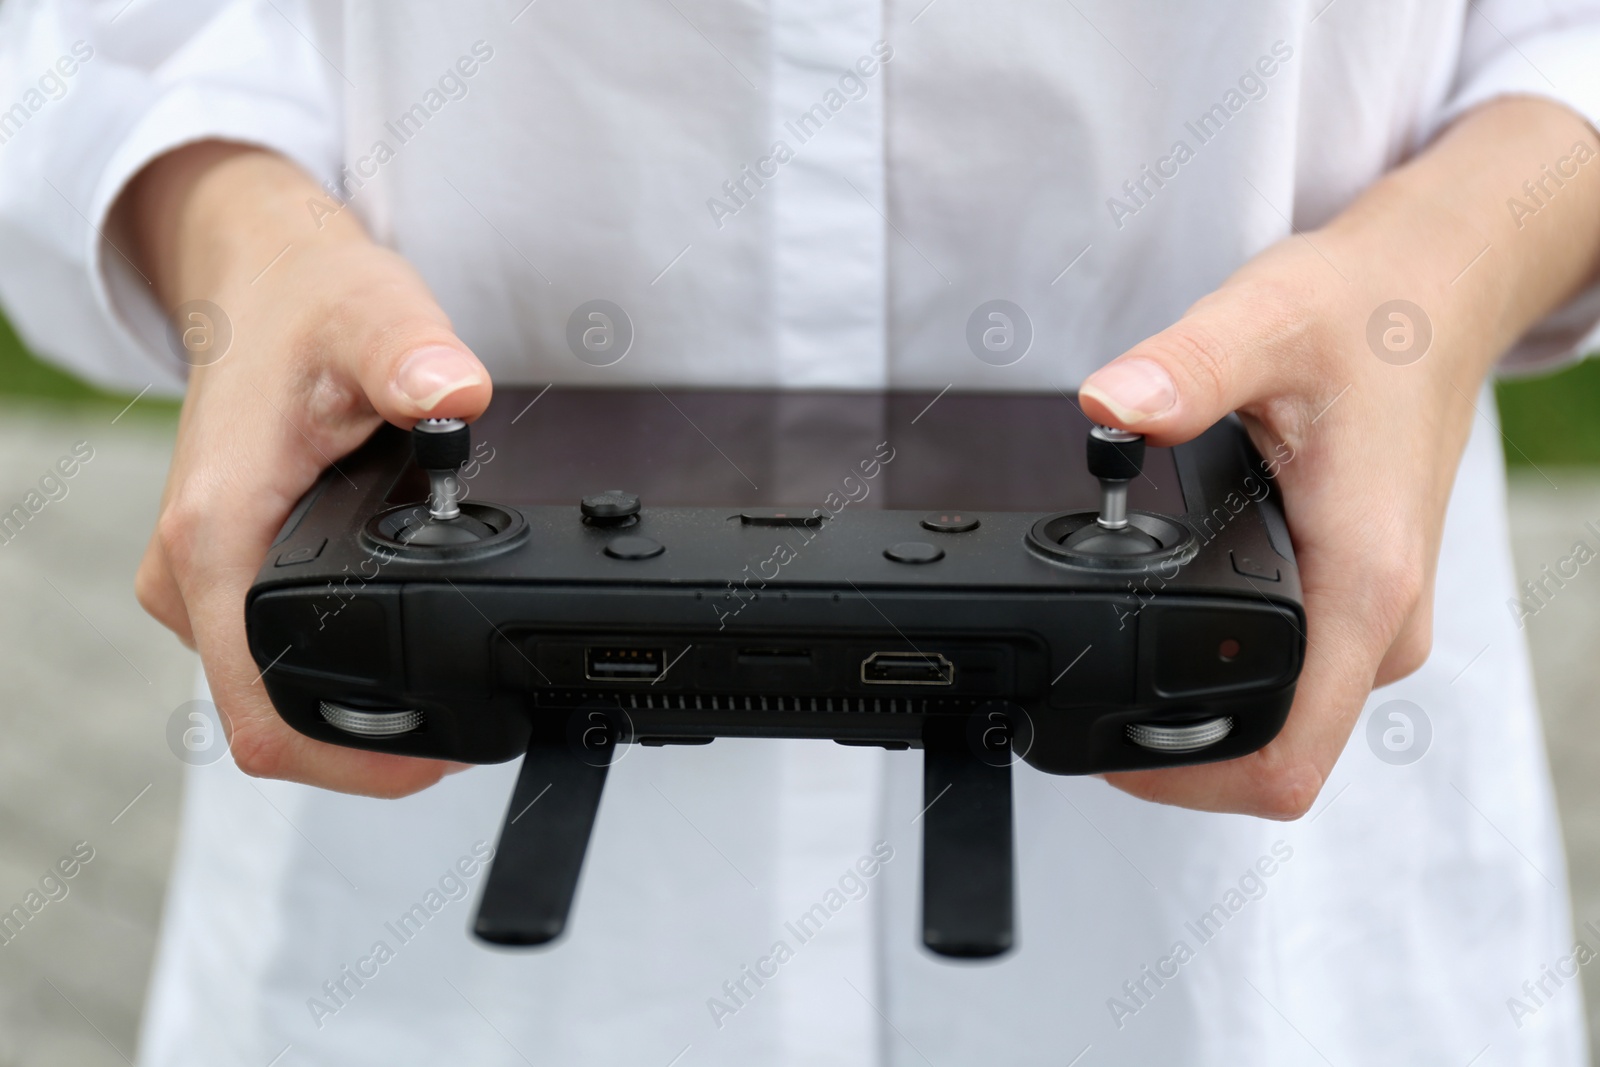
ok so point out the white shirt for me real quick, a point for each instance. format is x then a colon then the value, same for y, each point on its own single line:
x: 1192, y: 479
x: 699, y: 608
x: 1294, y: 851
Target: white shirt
x: 536, y: 158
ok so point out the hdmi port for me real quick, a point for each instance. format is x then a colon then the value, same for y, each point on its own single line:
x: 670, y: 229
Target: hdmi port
x: 907, y: 668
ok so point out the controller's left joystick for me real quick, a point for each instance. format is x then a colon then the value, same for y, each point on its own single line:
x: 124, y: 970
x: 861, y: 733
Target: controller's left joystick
x: 441, y: 446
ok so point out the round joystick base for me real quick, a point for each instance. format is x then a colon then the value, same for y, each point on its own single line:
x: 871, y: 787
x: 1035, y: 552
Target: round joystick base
x: 461, y: 530
x: 410, y: 532
x: 1147, y: 540
x: 1096, y: 540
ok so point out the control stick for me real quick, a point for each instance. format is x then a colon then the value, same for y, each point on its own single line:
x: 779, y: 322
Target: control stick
x: 1115, y: 457
x: 441, y: 446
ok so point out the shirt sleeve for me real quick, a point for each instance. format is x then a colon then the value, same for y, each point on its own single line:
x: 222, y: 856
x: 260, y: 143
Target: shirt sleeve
x: 90, y: 92
x: 1552, y: 50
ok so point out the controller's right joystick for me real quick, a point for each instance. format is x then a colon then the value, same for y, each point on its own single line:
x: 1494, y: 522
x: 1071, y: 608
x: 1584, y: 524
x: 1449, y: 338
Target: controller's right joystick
x: 1114, y: 537
x: 1115, y: 458
x: 441, y: 446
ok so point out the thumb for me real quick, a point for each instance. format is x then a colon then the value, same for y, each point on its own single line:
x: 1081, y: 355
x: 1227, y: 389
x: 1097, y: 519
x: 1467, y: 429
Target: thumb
x: 1173, y: 386
x: 437, y: 381
x: 412, y: 366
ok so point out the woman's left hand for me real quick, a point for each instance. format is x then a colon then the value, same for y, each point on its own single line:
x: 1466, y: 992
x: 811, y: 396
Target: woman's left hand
x: 1355, y: 355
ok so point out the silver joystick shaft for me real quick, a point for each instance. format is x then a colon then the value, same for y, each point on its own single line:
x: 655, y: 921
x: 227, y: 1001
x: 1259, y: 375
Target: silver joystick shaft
x: 444, y: 495
x: 1113, y: 505
x: 441, y: 446
x: 1115, y: 458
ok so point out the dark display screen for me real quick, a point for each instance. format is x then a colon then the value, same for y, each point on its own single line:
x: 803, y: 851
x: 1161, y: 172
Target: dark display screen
x: 746, y: 448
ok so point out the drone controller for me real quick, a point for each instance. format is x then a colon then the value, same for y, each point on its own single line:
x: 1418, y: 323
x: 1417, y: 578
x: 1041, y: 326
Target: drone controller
x: 967, y: 575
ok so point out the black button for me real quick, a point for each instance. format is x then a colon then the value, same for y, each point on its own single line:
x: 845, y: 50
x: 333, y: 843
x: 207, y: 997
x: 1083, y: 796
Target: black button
x: 631, y: 546
x: 303, y: 554
x: 610, y: 507
x: 914, y: 552
x: 779, y: 517
x: 1254, y: 567
x: 951, y: 522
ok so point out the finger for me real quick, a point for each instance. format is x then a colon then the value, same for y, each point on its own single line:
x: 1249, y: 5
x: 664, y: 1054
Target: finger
x: 1346, y: 637
x: 261, y: 743
x: 153, y: 583
x: 1357, y: 599
x: 408, y: 361
x: 251, y: 448
x: 1413, y: 643
x: 158, y: 593
x: 1230, y: 350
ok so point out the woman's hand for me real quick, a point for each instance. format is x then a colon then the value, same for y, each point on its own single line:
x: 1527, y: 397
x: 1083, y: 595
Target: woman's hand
x: 332, y: 335
x: 1366, y: 436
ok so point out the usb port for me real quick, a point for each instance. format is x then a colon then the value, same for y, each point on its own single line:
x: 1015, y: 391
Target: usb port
x: 907, y: 668
x: 623, y: 664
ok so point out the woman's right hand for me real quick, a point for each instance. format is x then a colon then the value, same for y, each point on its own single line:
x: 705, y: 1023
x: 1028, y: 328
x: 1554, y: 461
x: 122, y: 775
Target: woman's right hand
x: 331, y: 335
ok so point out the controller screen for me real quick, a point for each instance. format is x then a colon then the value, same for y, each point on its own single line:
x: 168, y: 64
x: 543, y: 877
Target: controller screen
x: 733, y: 448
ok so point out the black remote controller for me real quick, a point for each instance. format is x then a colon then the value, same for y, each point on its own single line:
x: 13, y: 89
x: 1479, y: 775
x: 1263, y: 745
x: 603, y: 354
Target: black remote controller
x: 987, y: 578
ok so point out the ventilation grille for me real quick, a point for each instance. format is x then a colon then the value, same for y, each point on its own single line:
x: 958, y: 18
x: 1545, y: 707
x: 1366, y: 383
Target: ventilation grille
x: 645, y: 700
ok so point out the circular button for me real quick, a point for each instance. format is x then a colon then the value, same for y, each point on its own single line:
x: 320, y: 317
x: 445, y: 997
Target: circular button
x: 611, y: 506
x: 631, y: 546
x: 914, y: 552
x: 371, y: 723
x: 950, y: 522
x: 1180, y: 738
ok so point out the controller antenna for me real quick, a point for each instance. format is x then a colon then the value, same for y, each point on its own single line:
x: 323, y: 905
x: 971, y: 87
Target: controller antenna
x: 441, y: 446
x: 1115, y: 457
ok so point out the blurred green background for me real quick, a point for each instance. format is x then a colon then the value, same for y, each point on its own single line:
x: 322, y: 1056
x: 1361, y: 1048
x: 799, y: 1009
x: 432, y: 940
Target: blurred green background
x: 26, y: 380
x: 1553, y: 419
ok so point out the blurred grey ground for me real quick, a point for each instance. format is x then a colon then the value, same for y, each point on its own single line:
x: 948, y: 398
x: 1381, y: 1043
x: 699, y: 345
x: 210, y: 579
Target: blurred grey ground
x: 1549, y: 510
x: 87, y: 684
